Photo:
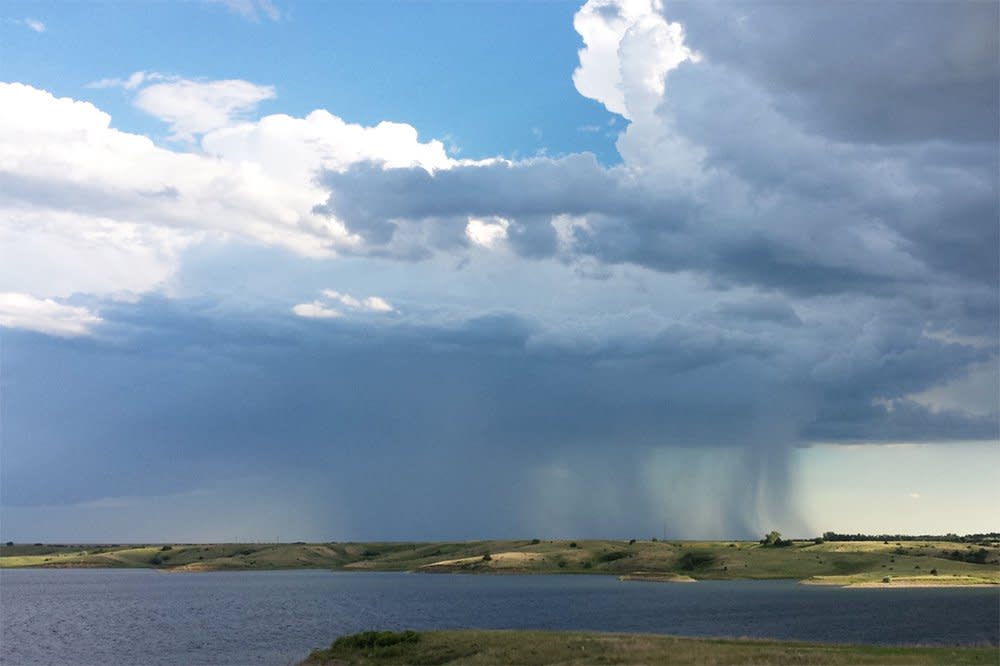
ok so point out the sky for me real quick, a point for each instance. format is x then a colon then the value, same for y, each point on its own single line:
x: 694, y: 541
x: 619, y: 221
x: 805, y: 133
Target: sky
x: 454, y: 270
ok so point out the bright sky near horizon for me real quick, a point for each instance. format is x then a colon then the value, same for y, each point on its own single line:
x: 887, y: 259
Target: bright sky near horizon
x: 365, y: 270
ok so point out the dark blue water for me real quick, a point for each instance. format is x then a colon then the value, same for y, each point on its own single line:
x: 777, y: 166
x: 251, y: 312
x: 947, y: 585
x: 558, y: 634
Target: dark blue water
x: 115, y: 616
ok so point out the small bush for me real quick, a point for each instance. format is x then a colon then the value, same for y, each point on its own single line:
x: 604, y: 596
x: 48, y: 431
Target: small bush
x: 166, y: 548
x: 535, y: 542
x: 631, y: 541
x: 573, y: 544
x: 10, y: 543
x: 561, y: 564
x: 367, y: 552
x: 156, y: 560
x: 587, y: 564
x: 487, y: 557
x: 934, y: 572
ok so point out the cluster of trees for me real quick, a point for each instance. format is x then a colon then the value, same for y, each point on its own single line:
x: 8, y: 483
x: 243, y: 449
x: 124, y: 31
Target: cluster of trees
x: 973, y: 557
x: 968, y: 538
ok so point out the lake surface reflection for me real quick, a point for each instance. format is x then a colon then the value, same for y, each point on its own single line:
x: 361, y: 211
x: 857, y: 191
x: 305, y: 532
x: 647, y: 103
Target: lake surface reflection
x: 116, y: 616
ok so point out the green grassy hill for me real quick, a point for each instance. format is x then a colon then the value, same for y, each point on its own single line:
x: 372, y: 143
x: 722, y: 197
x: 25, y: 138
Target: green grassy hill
x: 537, y: 648
x: 840, y: 562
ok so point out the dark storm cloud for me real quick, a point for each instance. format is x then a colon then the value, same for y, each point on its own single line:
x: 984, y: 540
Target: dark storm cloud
x: 175, y: 395
x: 373, y: 201
x: 851, y: 420
x: 884, y: 72
x: 758, y: 310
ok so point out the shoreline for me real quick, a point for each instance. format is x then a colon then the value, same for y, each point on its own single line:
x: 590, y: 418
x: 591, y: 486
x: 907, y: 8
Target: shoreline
x: 638, y: 576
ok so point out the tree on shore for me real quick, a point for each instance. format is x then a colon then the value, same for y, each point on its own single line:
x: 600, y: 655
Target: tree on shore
x: 773, y: 539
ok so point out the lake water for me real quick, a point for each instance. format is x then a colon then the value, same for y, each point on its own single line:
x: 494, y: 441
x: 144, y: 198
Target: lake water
x: 116, y: 616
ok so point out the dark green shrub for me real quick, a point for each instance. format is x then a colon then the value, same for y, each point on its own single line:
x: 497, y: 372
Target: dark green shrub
x: 157, y: 560
x: 691, y: 561
x: 535, y: 541
x: 614, y: 555
x: 370, y: 640
x: 561, y: 564
x: 573, y: 544
x: 367, y: 552
x: 487, y: 557
x: 165, y: 548
x: 587, y: 564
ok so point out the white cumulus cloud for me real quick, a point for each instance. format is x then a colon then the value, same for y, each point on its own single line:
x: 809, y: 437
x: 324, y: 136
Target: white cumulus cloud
x: 486, y: 232
x: 315, y: 310
x: 45, y: 315
x: 92, y: 209
x: 628, y: 49
x: 376, y: 304
x: 369, y: 304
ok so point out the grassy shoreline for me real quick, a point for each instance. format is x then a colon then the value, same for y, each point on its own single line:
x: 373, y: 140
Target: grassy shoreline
x: 539, y: 648
x: 843, y: 563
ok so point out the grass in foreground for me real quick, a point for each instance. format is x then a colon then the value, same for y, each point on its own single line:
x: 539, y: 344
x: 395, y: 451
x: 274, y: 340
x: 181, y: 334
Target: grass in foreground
x: 535, y: 648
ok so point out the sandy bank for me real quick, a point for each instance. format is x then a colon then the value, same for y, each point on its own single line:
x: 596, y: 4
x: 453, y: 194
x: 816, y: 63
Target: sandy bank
x: 950, y: 582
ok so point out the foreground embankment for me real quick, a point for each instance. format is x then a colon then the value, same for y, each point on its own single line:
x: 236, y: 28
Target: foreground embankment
x: 536, y: 648
x: 847, y: 563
